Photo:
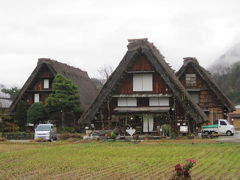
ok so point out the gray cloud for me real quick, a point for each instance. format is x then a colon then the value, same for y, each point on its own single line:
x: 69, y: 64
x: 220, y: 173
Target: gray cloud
x: 91, y: 33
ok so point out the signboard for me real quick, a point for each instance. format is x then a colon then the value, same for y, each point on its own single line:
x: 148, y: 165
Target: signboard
x: 131, y: 131
x: 183, y: 129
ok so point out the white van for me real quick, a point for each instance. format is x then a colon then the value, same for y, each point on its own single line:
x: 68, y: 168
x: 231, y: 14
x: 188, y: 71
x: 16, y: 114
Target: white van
x: 45, y: 131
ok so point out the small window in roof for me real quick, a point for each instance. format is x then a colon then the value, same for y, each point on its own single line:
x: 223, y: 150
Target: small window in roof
x: 191, y: 80
x: 46, y: 83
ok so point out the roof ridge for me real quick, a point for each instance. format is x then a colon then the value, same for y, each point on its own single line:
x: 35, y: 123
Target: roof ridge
x: 144, y: 43
x: 48, y: 60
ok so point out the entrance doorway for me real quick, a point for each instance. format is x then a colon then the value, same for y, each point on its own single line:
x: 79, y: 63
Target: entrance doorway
x: 147, y: 123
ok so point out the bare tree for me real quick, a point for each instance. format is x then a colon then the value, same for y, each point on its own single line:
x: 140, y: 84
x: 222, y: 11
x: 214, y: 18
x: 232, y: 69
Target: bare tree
x: 105, y: 71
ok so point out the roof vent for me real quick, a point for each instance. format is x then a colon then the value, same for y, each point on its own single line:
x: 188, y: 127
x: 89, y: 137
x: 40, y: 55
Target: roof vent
x: 136, y: 40
x: 187, y: 60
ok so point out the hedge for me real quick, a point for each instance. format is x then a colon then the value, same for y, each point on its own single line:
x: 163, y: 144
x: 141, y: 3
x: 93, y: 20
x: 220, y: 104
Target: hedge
x: 18, y: 135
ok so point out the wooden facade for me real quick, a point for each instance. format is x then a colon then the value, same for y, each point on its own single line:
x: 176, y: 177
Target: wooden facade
x: 204, y: 91
x: 38, y: 87
x: 234, y: 117
x: 112, y: 118
x: 143, y: 93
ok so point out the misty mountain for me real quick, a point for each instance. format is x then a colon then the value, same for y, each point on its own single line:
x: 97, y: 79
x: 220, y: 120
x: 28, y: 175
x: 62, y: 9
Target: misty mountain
x: 226, y: 60
x: 2, y: 86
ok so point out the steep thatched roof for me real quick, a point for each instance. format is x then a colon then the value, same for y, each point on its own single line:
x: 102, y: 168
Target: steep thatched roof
x: 138, y: 47
x: 206, y: 76
x: 87, y: 90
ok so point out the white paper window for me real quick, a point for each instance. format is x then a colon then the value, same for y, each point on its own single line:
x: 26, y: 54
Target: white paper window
x: 127, y: 102
x: 36, y: 98
x: 162, y: 101
x: 153, y: 102
x: 46, y: 83
x: 191, y: 80
x: 142, y: 82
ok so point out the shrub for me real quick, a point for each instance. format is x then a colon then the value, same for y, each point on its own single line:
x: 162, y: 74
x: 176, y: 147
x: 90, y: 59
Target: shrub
x: 21, y: 115
x: 113, y: 135
x: 36, y: 113
x: 65, y: 136
x: 10, y: 127
x: 166, y: 129
x: 2, y: 139
x: 18, y: 135
x: 68, y: 129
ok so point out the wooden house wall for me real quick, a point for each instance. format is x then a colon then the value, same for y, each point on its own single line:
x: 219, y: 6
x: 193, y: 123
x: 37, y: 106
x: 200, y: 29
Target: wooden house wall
x: 43, y: 97
x: 142, y: 64
x: 200, y: 83
x: 179, y: 112
x: 37, y: 86
x: 126, y: 87
x: 207, y: 99
x: 215, y: 114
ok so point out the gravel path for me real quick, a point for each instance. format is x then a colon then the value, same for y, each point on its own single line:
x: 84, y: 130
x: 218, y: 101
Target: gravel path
x: 232, y: 139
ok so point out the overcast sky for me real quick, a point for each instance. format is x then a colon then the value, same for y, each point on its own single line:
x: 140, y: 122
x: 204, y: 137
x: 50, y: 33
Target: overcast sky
x: 88, y: 34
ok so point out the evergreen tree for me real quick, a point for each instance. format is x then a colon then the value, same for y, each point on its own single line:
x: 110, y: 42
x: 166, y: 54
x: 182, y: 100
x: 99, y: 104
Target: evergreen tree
x: 21, y: 115
x: 13, y: 91
x: 65, y: 97
x: 36, y: 113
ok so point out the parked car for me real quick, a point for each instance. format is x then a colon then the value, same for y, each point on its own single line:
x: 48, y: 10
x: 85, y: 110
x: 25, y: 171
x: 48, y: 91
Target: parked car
x: 221, y: 127
x: 46, y: 131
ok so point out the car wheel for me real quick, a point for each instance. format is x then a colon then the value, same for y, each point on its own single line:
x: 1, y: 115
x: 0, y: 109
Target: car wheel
x: 206, y: 133
x: 228, y: 133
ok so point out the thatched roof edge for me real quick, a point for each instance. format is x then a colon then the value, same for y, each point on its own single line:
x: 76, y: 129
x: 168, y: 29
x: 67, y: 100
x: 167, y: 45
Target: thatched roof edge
x: 206, y: 76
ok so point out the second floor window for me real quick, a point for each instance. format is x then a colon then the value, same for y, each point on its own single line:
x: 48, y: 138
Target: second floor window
x: 191, y: 80
x: 142, y: 82
x: 46, y: 83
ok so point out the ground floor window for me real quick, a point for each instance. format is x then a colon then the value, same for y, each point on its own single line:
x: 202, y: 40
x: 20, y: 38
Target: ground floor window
x: 144, y: 123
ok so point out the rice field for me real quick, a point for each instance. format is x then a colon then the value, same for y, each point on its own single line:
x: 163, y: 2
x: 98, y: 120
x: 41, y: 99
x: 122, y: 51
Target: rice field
x: 118, y: 160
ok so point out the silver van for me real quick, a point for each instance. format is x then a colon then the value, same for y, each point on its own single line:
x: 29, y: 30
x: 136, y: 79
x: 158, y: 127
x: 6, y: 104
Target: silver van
x: 46, y: 131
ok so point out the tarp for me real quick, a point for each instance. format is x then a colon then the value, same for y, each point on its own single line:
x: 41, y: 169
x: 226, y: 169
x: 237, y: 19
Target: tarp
x: 141, y: 109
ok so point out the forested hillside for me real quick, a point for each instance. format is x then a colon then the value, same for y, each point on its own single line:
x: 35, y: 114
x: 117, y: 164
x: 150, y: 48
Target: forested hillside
x: 228, y: 78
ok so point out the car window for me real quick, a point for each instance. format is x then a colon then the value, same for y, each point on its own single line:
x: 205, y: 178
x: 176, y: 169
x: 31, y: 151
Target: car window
x: 43, y: 128
x: 223, y: 123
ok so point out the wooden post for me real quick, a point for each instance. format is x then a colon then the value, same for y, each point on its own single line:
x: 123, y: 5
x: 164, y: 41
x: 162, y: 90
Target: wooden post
x: 109, y: 114
x: 63, y: 115
x: 101, y: 117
